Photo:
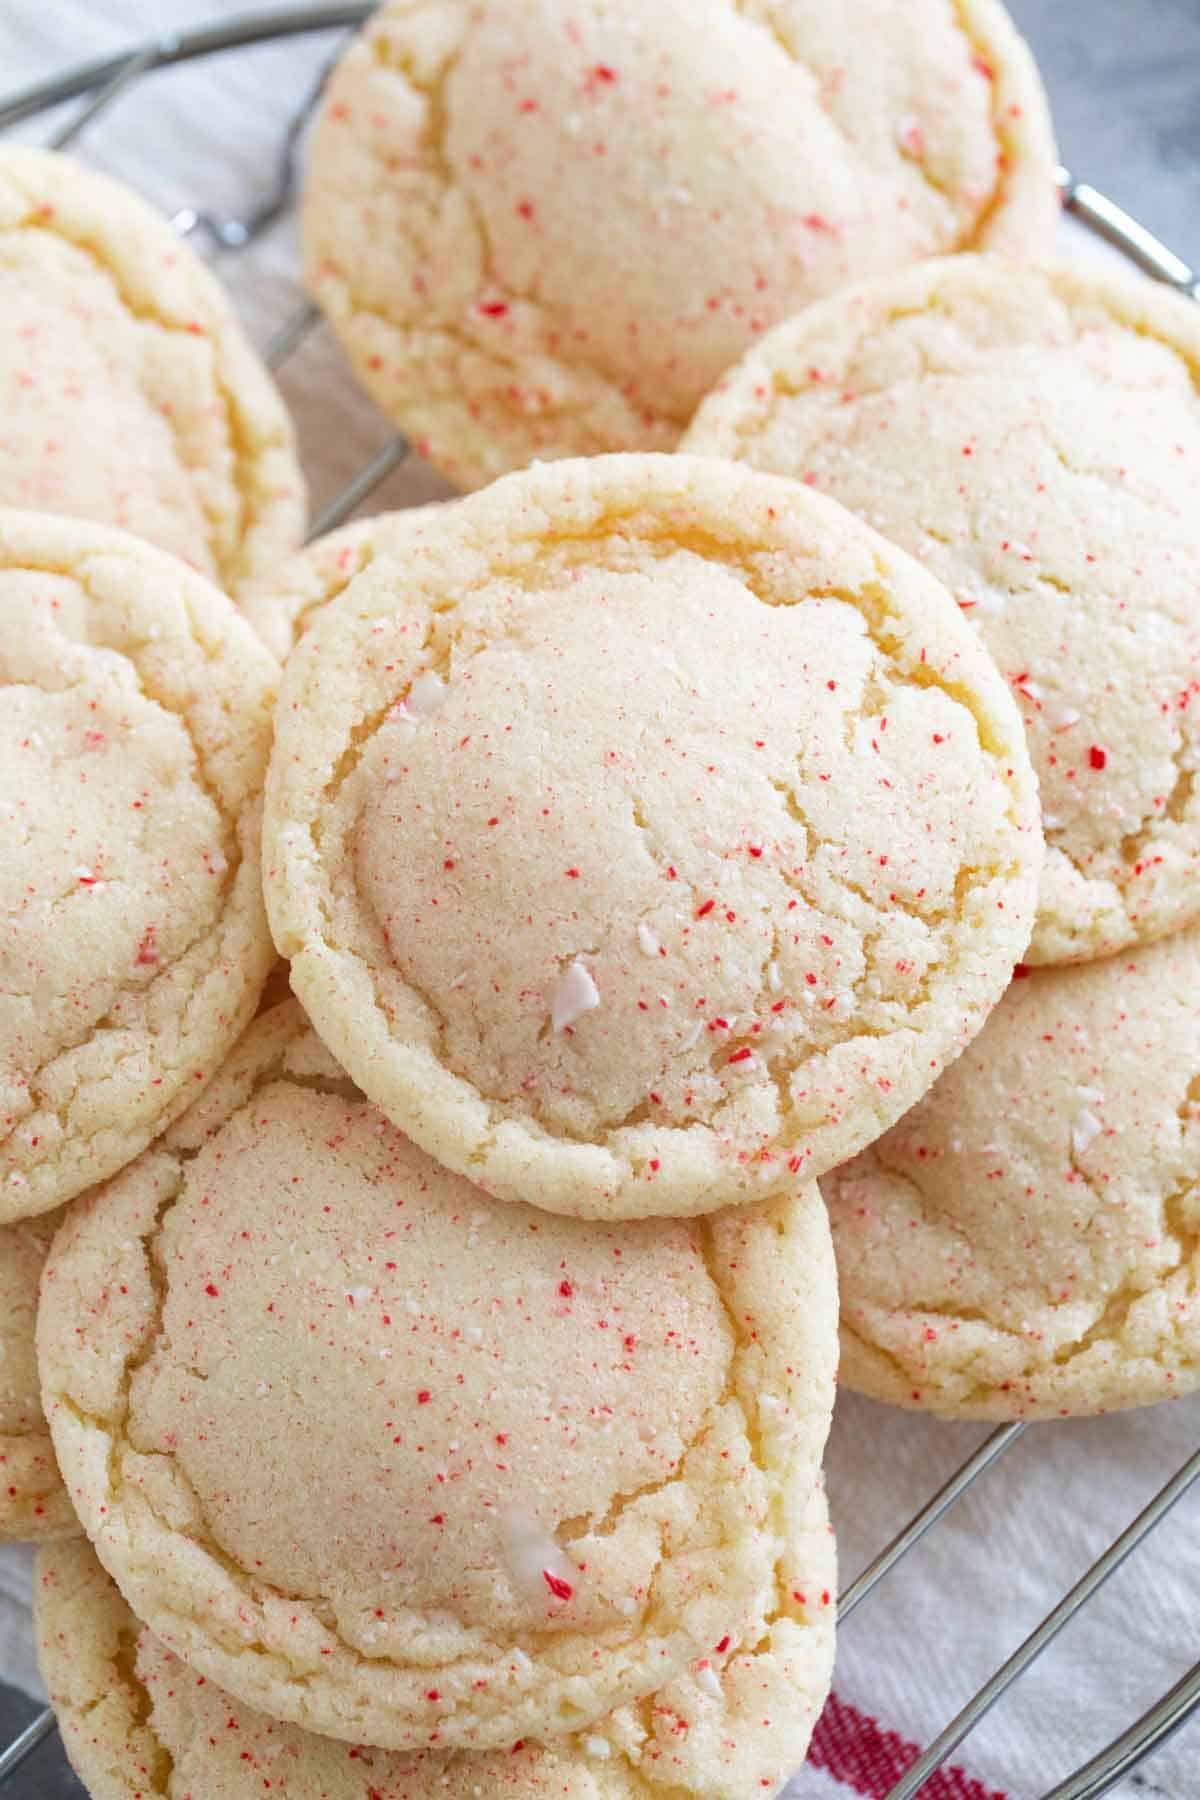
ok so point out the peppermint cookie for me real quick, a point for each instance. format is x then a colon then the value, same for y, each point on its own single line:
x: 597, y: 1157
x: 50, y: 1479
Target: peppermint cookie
x: 33, y: 1501
x: 737, y: 1722
x: 541, y: 236
x: 130, y: 394
x: 135, y: 718
x: 652, y: 839
x: 1032, y: 436
x: 1024, y: 1243
x: 280, y: 605
x: 509, y: 1472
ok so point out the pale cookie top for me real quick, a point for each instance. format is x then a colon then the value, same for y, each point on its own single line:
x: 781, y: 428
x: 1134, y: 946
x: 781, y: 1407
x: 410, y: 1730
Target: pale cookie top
x: 737, y: 1722
x: 509, y: 1472
x: 1026, y: 1241
x: 543, y: 233
x: 281, y: 604
x: 130, y: 394
x: 135, y: 711
x: 1034, y: 437
x: 33, y: 1501
x: 651, y: 838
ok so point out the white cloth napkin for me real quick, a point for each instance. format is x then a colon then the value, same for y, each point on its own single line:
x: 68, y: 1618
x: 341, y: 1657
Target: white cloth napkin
x: 206, y: 135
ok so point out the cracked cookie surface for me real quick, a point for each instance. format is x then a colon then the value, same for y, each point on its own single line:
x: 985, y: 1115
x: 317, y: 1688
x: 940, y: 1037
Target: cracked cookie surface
x: 33, y: 1501
x: 1025, y: 1242
x: 540, y: 235
x: 135, y: 713
x: 130, y: 394
x: 651, y: 838
x: 137, y: 1722
x: 509, y: 1472
x: 1033, y: 437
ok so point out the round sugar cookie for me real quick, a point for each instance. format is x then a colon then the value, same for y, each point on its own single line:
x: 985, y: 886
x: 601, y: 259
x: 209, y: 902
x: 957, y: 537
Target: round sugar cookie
x: 1024, y: 1242
x: 130, y: 394
x: 651, y: 839
x: 33, y: 1501
x: 543, y: 235
x: 737, y: 1722
x: 280, y: 605
x: 1033, y: 437
x: 508, y: 1472
x: 135, y: 719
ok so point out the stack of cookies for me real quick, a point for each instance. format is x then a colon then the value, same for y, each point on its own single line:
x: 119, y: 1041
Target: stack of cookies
x: 757, y: 825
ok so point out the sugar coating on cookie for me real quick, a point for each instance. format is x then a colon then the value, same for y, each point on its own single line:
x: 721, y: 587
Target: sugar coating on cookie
x: 33, y: 1501
x: 651, y: 839
x: 131, y: 396
x: 1033, y: 437
x: 509, y: 1471
x: 542, y: 234
x: 1024, y: 1243
x: 737, y: 1722
x: 135, y: 711
x: 280, y: 604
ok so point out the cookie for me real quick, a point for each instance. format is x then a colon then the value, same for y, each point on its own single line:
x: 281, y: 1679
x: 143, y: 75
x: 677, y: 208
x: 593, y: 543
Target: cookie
x: 130, y: 394
x: 509, y: 1472
x: 280, y: 605
x: 540, y: 236
x: 135, y: 718
x: 650, y: 840
x: 738, y: 1722
x: 1024, y: 1243
x: 33, y: 1501
x: 1032, y: 436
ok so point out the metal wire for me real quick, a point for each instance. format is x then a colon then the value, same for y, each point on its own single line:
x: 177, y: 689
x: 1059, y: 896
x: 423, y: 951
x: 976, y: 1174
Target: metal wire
x: 103, y: 82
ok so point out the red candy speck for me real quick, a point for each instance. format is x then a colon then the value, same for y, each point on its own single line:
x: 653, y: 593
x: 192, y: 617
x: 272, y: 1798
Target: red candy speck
x: 1097, y: 758
x: 562, y: 1590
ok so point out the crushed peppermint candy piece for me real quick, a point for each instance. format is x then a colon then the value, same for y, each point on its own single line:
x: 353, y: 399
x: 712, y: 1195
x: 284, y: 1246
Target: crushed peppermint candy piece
x: 574, y: 994
x: 646, y: 938
x: 1091, y: 1096
x: 707, y: 1680
x: 597, y: 1747
x: 537, y: 1565
x: 1061, y: 718
x: 426, y: 695
x: 1084, y: 1131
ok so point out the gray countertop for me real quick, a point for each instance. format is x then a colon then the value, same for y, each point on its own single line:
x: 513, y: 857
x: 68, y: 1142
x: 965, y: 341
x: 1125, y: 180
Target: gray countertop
x: 1124, y: 80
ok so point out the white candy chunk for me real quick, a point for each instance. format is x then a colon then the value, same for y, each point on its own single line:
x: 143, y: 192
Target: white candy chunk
x: 539, y: 1568
x: 648, y: 941
x: 1060, y: 718
x: 598, y: 1747
x: 1091, y: 1096
x: 1084, y: 1131
x: 708, y: 1681
x: 426, y: 695
x: 574, y: 994
x: 774, y: 977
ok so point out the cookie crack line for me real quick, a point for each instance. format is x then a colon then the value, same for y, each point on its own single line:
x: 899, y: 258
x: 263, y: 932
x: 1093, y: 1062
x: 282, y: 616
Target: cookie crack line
x: 229, y: 843
x: 108, y: 1424
x: 238, y: 439
x: 1108, y: 1326
x: 456, y: 330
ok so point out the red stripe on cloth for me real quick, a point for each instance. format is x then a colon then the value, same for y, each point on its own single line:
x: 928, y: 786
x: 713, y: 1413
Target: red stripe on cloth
x: 859, y: 1752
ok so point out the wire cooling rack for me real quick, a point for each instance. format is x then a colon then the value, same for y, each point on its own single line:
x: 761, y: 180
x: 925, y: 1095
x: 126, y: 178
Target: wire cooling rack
x: 98, y: 85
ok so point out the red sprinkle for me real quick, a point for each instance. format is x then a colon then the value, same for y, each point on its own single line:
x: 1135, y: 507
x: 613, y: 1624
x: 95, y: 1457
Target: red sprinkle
x: 424, y: 1397
x: 562, y: 1590
x: 742, y: 1055
x: 702, y: 912
x: 1097, y: 757
x: 565, y: 1289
